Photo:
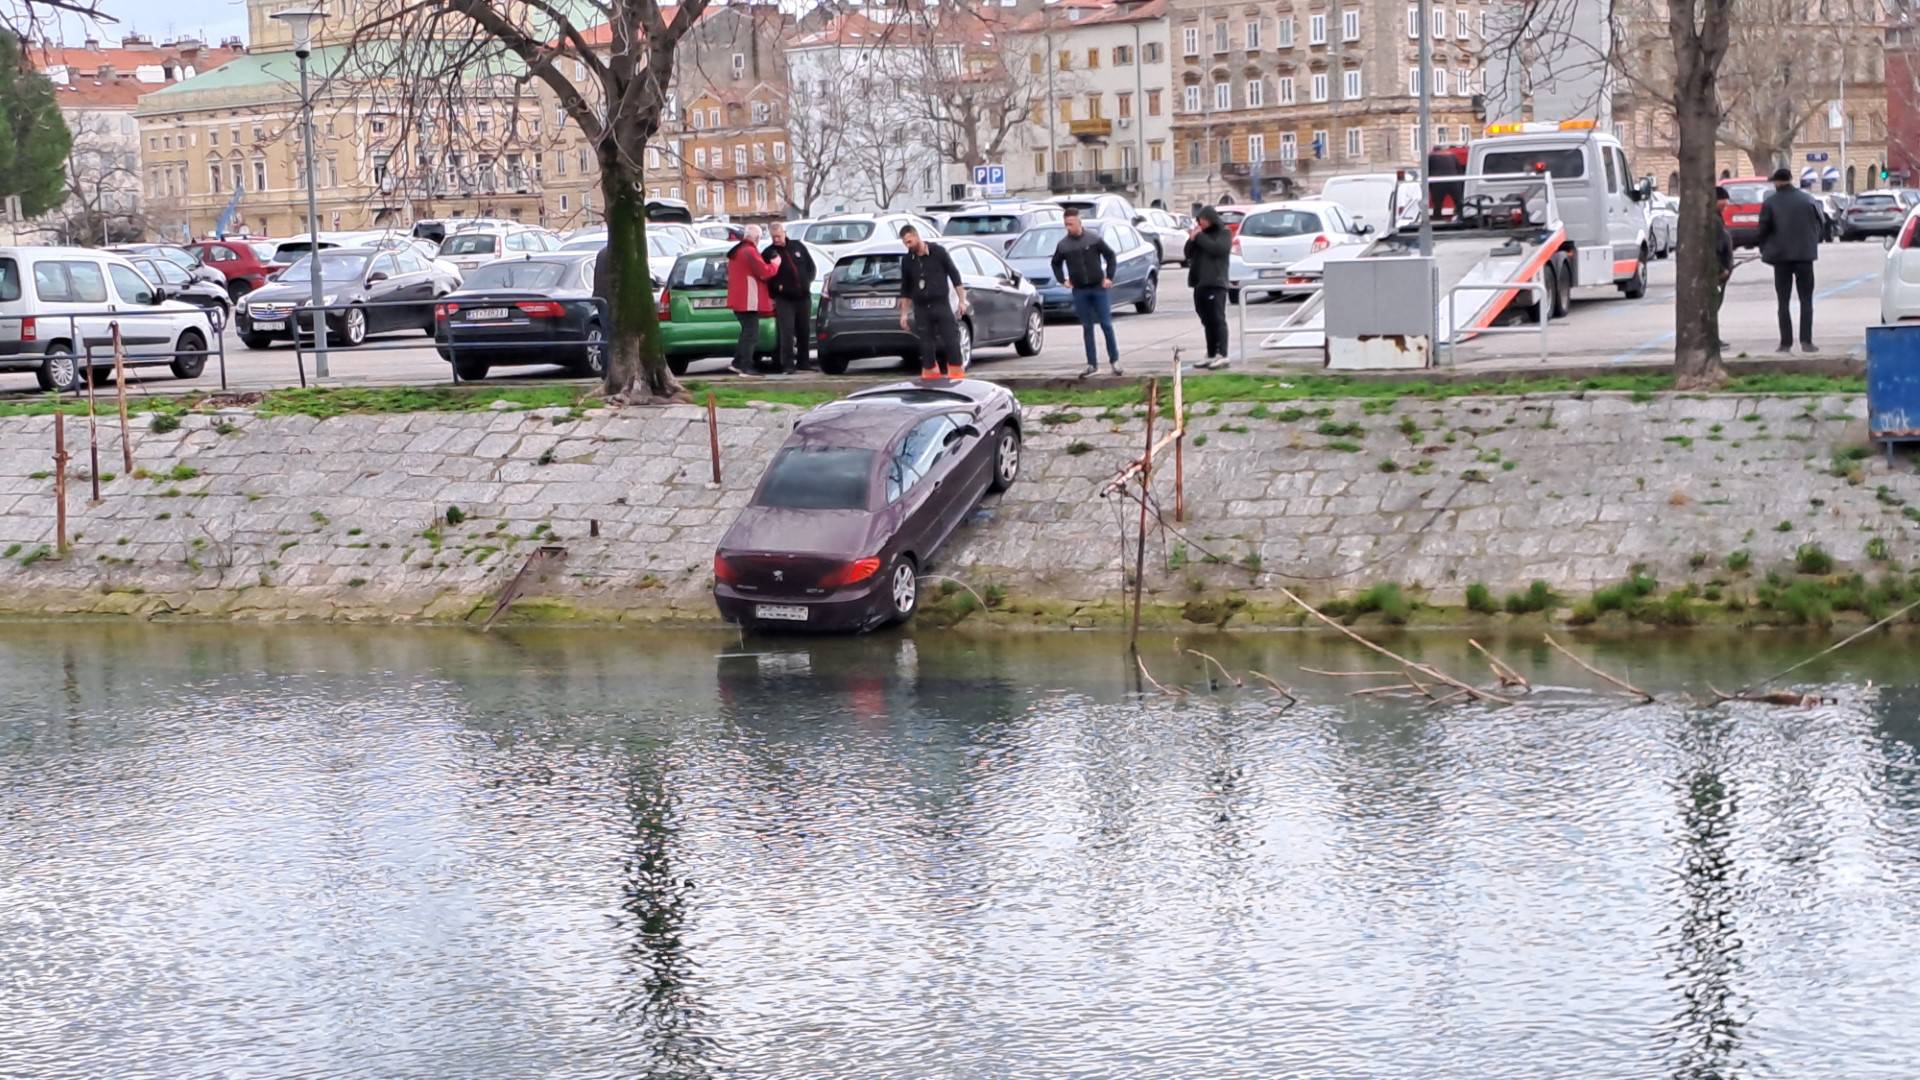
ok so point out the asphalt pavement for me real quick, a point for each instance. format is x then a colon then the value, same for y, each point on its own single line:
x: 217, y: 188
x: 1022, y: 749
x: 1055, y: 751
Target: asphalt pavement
x: 1603, y: 329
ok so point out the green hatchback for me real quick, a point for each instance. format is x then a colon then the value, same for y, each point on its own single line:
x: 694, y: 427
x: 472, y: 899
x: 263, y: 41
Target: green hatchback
x: 695, y: 323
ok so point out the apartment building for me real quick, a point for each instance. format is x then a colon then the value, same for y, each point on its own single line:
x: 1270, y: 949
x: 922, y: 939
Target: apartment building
x: 1102, y: 101
x: 1274, y: 99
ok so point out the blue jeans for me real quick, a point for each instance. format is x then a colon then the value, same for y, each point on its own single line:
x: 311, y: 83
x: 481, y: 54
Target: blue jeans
x: 1094, y: 307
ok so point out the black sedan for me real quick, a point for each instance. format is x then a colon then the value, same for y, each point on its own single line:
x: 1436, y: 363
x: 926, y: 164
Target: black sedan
x: 533, y: 310
x: 172, y: 283
x: 364, y: 291
x: 858, y: 501
x: 860, y: 306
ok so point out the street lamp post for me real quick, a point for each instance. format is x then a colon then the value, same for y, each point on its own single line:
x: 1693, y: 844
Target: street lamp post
x: 300, y: 21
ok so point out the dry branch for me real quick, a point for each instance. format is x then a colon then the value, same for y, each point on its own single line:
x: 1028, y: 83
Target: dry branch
x: 1223, y: 668
x: 1622, y: 684
x: 1279, y: 689
x: 1177, y: 691
x: 1501, y: 671
x: 1431, y: 672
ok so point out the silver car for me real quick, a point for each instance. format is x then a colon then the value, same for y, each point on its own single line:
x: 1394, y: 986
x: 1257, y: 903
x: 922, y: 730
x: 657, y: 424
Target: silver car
x: 999, y: 227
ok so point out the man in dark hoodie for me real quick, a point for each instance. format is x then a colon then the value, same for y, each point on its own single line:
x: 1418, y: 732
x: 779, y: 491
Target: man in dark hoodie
x: 1209, y: 248
x: 792, y: 289
x: 1086, y: 263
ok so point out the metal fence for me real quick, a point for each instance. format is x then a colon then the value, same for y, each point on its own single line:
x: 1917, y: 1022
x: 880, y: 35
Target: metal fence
x: 449, y: 321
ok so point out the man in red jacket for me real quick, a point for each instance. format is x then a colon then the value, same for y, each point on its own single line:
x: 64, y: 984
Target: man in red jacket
x: 747, y: 296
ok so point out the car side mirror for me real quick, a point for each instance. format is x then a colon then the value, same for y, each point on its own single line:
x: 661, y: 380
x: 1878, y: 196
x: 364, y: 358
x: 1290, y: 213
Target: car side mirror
x: 1365, y: 230
x: 1014, y: 276
x: 376, y: 276
x: 1139, y: 219
x: 158, y: 295
x: 964, y: 431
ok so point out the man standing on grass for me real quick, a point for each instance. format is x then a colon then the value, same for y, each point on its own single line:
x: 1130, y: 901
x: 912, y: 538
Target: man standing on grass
x: 792, y: 289
x: 1791, y: 225
x: 747, y: 296
x: 1209, y: 250
x: 927, y: 274
x: 1085, y: 262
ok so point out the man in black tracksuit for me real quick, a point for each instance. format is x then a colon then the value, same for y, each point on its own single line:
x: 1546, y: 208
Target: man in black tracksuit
x: 1085, y: 262
x: 1791, y: 225
x: 792, y: 291
x: 1209, y: 248
x: 926, y: 272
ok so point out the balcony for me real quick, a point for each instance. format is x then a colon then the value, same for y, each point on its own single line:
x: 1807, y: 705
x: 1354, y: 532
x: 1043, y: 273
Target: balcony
x: 1098, y: 127
x: 1091, y: 180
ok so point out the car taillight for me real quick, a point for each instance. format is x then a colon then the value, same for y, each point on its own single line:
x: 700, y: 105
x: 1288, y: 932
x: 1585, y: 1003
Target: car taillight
x: 29, y: 330
x: 1236, y: 245
x: 851, y: 573
x: 666, y: 305
x: 443, y: 312
x: 1906, y: 234
x: 539, y: 309
x: 723, y: 570
x: 1320, y: 243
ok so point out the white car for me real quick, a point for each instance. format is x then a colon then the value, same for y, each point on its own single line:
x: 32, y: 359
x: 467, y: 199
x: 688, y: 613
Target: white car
x: 57, y: 303
x: 1165, y: 231
x: 1376, y: 199
x: 841, y: 233
x: 1274, y: 236
x: 1663, y: 225
x: 1900, y: 276
x: 469, y: 248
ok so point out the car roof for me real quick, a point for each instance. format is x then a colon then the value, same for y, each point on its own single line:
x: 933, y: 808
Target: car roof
x: 884, y: 412
x: 1288, y: 204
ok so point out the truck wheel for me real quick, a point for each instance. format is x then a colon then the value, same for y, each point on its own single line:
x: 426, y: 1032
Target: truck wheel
x: 1635, y: 287
x: 1562, y: 294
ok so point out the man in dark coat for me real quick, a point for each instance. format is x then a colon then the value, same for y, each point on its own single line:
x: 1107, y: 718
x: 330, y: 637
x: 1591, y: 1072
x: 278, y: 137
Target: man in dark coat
x: 1791, y: 224
x: 1209, y: 250
x: 1722, y: 253
x: 792, y: 289
x: 1084, y: 261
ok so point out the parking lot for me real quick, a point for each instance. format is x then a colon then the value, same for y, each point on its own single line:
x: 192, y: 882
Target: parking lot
x: 1602, y: 329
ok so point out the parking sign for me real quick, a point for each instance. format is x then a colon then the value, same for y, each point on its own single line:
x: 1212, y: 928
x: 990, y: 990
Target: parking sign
x: 991, y: 179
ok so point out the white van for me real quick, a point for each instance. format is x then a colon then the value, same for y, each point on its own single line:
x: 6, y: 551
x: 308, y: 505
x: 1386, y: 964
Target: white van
x: 55, y: 303
x: 1602, y: 206
x: 1383, y: 200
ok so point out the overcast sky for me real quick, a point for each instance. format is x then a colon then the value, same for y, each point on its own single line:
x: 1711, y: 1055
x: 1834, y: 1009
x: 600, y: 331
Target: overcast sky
x: 211, y: 19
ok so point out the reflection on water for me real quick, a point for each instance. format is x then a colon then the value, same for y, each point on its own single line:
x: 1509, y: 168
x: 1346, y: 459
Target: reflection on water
x: 376, y: 853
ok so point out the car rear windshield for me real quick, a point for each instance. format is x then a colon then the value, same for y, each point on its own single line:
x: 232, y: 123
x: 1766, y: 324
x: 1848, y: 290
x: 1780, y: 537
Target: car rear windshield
x: 263, y: 252
x: 293, y: 249
x: 839, y: 232
x: 867, y: 270
x: 818, y: 478
x: 9, y: 280
x: 470, y: 244
x: 1745, y: 194
x: 699, y: 272
x: 1563, y: 164
x: 1875, y: 202
x: 1280, y: 223
x: 982, y: 225
x: 1037, y: 243
x: 539, y: 276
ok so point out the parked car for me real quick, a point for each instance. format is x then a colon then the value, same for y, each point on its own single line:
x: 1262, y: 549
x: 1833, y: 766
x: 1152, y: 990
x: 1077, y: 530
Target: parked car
x: 1900, y: 273
x: 186, y: 260
x: 468, y: 248
x: 365, y: 290
x: 57, y: 302
x: 1166, y: 234
x: 797, y: 228
x: 844, y: 232
x: 537, y: 309
x: 715, y: 231
x: 1663, y: 225
x: 999, y: 227
x: 1382, y: 200
x: 435, y: 230
x: 1874, y: 213
x: 695, y: 323
x: 287, y: 252
x: 173, y: 283
x: 1136, y: 278
x: 243, y: 264
x: 857, y: 502
x: 1111, y: 207
x: 1274, y: 236
x: 662, y: 248
x: 939, y: 213
x: 669, y: 210
x: 860, y: 306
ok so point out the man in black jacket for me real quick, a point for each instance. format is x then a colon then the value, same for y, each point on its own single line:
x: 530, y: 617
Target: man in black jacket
x: 1723, y: 253
x: 792, y: 290
x: 929, y: 285
x: 1085, y: 262
x: 1791, y: 225
x: 1209, y: 249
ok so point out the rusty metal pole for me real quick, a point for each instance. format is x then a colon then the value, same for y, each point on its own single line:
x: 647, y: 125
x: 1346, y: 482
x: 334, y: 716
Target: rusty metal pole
x: 120, y: 392
x: 713, y: 434
x: 1146, y: 490
x: 1179, y: 445
x: 60, y: 482
x: 93, y: 442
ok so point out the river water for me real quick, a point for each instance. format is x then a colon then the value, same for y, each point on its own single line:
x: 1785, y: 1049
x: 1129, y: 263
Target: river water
x: 271, y: 852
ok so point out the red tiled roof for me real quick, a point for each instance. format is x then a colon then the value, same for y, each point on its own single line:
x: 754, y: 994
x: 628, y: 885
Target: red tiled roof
x: 1092, y: 13
x: 89, y: 93
x: 125, y: 61
x: 853, y: 29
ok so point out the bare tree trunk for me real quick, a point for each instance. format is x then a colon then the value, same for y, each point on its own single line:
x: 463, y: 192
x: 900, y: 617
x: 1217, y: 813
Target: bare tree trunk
x: 1698, y: 31
x: 1762, y: 158
x: 636, y: 354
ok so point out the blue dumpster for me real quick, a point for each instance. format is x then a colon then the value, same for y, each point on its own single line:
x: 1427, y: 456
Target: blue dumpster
x: 1893, y: 385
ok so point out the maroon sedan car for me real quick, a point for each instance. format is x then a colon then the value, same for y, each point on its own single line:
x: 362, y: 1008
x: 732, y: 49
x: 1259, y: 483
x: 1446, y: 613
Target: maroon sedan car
x: 858, y: 500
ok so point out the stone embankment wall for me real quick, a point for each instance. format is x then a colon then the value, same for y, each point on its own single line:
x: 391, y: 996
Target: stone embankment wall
x: 429, y: 515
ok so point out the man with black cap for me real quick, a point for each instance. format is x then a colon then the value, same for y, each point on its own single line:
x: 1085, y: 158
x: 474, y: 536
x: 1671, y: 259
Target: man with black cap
x: 1209, y: 248
x: 1791, y: 225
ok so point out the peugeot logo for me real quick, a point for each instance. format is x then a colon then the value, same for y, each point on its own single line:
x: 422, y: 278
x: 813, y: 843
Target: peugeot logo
x: 779, y: 575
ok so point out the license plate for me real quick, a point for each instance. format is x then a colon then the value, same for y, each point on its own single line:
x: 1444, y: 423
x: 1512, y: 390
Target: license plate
x: 707, y: 302
x: 269, y: 324
x: 780, y: 612
x: 1273, y: 273
x: 1745, y: 219
x: 874, y: 304
x: 484, y: 313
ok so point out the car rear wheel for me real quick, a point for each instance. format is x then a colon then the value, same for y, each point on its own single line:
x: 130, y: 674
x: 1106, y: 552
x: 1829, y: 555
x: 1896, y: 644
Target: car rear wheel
x: 1006, y: 457
x: 966, y: 344
x: 833, y: 365
x: 593, y: 357
x: 1036, y: 335
x: 60, y: 371
x: 238, y: 289
x: 1151, y: 298
x: 903, y: 589
x: 470, y: 370
x: 189, y: 367
x: 677, y: 365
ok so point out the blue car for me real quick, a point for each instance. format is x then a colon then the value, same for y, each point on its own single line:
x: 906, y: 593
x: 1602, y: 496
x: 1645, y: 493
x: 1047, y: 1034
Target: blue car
x: 1136, y: 282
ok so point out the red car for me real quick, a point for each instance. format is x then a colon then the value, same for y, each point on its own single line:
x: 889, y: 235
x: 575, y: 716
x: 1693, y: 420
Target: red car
x: 244, y: 263
x: 1742, y: 215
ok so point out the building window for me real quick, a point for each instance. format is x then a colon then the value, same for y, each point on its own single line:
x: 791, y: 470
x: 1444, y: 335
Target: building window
x: 761, y: 113
x: 1319, y: 144
x: 713, y: 117
x: 1193, y: 98
x: 1319, y: 86
x: 1225, y: 149
x: 213, y: 176
x: 1439, y: 82
x: 1256, y: 93
x: 1413, y: 23
x: 1439, y: 23
x: 1283, y: 90
x: 1289, y: 147
x: 1126, y: 104
x: 1093, y: 59
x: 1253, y: 35
x: 780, y: 152
x: 1153, y: 103
x: 1039, y: 163
x: 1256, y: 148
x: 1190, y: 41
x: 1151, y: 53
x: 1065, y: 110
x: 1093, y: 106
x: 563, y: 204
x: 699, y: 122
x: 1352, y: 76
x: 1122, y: 55
x: 1285, y: 35
x: 1222, y: 95
x: 1356, y: 144
x: 700, y: 197
x: 1065, y: 61
x: 238, y: 172
x: 1350, y: 25
x: 1220, y: 36
x: 1462, y: 24
x: 699, y: 157
x: 1193, y: 153
x: 1317, y: 29
x: 759, y: 153
x: 1461, y: 85
x: 653, y: 157
x: 1413, y: 82
x: 760, y: 194
x: 1154, y: 150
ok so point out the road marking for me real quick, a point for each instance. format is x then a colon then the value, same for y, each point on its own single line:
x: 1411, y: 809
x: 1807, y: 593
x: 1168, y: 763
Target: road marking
x: 1655, y: 342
